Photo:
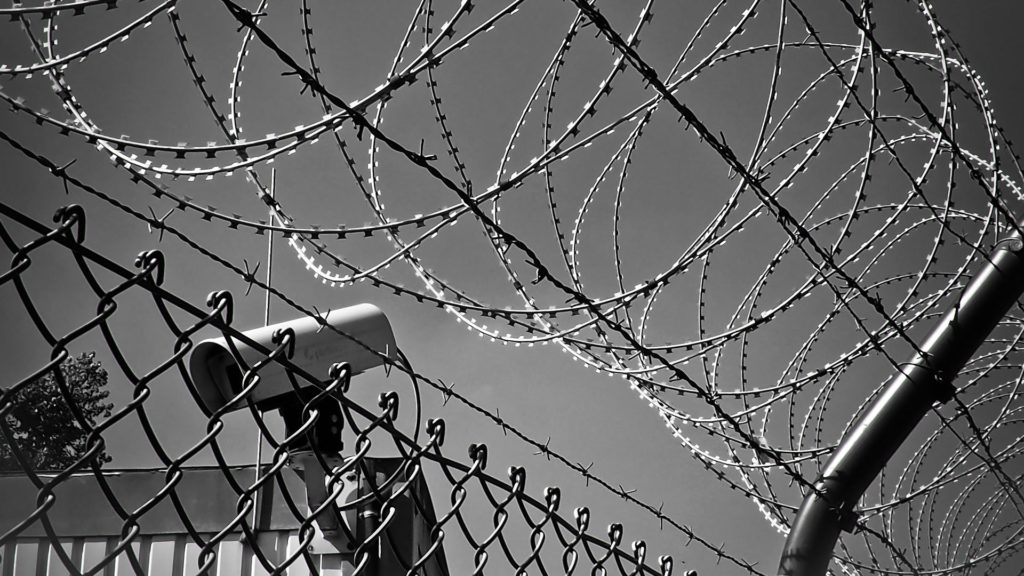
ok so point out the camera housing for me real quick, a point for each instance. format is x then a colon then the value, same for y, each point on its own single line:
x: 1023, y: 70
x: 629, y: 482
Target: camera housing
x: 365, y: 339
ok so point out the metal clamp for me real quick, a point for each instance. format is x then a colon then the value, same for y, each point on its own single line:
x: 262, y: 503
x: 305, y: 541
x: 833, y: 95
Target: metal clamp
x: 940, y: 387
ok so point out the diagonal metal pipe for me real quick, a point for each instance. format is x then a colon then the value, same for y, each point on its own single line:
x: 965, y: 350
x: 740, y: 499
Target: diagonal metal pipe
x: 926, y: 379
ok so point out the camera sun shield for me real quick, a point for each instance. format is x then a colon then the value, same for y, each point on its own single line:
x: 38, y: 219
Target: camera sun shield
x: 362, y: 336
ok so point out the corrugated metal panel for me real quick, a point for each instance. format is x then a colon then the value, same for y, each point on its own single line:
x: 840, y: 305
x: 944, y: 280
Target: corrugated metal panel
x: 164, y: 556
x: 88, y: 530
x: 161, y: 556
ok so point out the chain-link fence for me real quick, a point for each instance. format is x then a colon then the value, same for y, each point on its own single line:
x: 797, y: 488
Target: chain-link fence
x: 523, y: 531
x: 822, y: 234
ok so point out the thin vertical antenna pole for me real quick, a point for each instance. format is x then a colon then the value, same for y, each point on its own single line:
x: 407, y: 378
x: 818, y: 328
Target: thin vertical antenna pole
x: 270, y: 247
x: 266, y: 322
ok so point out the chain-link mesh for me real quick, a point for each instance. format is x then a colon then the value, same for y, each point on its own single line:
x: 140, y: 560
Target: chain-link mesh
x: 525, y: 532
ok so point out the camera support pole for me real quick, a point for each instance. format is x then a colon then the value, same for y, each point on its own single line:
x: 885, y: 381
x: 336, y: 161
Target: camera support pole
x: 889, y: 420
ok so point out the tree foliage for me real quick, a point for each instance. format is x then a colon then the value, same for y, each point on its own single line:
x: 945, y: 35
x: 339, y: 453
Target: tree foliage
x: 43, y: 426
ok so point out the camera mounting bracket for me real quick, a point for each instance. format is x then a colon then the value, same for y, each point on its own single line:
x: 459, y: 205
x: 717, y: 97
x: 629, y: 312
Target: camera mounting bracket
x: 336, y: 524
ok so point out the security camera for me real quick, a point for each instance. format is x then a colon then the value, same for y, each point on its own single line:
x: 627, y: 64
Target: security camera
x: 361, y: 336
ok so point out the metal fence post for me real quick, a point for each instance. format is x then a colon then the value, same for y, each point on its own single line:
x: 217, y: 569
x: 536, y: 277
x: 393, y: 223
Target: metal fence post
x: 887, y: 423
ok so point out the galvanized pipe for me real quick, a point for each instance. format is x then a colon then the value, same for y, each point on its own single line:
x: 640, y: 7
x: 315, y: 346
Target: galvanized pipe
x: 887, y: 423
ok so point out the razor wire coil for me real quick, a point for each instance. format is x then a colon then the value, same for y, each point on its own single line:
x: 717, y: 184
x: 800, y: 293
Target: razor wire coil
x: 844, y: 257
